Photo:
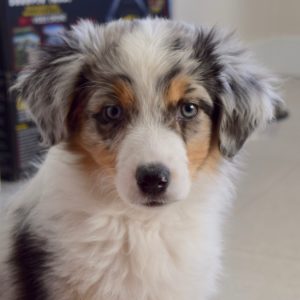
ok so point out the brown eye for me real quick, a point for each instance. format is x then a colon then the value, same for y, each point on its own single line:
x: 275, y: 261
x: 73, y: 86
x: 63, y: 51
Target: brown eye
x: 110, y: 113
x: 188, y: 110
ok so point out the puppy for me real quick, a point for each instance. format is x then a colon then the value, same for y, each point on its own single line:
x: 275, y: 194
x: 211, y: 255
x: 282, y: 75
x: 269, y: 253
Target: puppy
x: 145, y: 119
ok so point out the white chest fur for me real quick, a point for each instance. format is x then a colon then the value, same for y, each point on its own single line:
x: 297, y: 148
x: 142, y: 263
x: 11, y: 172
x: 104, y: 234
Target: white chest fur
x: 175, y: 256
x: 109, y: 251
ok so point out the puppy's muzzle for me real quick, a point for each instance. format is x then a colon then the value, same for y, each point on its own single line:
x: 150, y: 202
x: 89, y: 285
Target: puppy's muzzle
x: 153, y: 179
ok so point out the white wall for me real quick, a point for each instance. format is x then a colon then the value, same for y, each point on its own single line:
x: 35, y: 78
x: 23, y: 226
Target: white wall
x: 270, y: 27
x: 223, y: 13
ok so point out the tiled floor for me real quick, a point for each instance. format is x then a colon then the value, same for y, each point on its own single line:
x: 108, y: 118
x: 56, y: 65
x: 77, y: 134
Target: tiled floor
x: 262, y: 258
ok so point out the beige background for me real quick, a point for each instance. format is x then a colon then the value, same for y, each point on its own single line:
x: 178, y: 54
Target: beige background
x: 255, y: 19
x: 270, y: 27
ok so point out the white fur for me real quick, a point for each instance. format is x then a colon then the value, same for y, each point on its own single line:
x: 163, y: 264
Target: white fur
x: 109, y: 250
x: 160, y: 146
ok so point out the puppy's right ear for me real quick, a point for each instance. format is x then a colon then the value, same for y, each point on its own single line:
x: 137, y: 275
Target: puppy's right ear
x: 48, y: 82
x: 46, y: 85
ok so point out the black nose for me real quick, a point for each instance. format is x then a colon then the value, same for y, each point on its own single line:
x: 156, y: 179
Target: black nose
x: 152, y: 179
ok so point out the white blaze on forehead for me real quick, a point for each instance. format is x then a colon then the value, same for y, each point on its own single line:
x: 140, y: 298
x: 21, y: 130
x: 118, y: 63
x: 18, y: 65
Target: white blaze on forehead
x: 144, y: 51
x: 152, y: 144
x: 146, y: 57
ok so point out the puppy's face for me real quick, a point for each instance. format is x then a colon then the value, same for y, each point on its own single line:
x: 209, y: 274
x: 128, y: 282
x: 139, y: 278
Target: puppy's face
x: 152, y: 133
x: 151, y: 103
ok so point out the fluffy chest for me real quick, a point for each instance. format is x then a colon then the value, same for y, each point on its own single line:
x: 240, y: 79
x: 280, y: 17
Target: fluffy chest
x: 118, y: 258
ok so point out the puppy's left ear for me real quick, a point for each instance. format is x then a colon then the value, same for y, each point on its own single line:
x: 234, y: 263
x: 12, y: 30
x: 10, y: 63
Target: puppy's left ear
x: 248, y: 96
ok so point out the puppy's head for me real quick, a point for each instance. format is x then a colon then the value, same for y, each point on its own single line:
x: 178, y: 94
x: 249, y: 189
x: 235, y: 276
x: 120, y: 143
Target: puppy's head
x: 151, y: 102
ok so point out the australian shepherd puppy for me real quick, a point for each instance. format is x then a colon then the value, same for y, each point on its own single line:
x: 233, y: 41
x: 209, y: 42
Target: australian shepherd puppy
x: 145, y: 119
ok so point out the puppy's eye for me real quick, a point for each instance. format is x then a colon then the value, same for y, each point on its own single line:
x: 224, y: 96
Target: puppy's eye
x: 188, y: 110
x: 110, y: 113
x: 113, y: 112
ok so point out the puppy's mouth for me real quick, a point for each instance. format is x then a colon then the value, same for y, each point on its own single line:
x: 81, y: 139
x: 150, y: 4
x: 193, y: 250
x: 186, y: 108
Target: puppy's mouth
x: 156, y: 202
x: 152, y: 203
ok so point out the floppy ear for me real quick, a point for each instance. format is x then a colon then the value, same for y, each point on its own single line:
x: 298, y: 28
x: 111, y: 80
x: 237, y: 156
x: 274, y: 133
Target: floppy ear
x: 46, y: 85
x: 48, y: 82
x: 248, y: 100
x: 246, y: 94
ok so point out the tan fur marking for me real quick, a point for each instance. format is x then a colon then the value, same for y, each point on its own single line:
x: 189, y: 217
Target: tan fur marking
x: 214, y: 158
x: 93, y: 157
x: 104, y: 158
x: 197, y: 153
x: 200, y: 150
x: 176, y: 90
x: 123, y: 92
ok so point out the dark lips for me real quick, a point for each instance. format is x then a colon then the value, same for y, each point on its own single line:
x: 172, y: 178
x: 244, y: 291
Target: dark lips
x: 154, y: 204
